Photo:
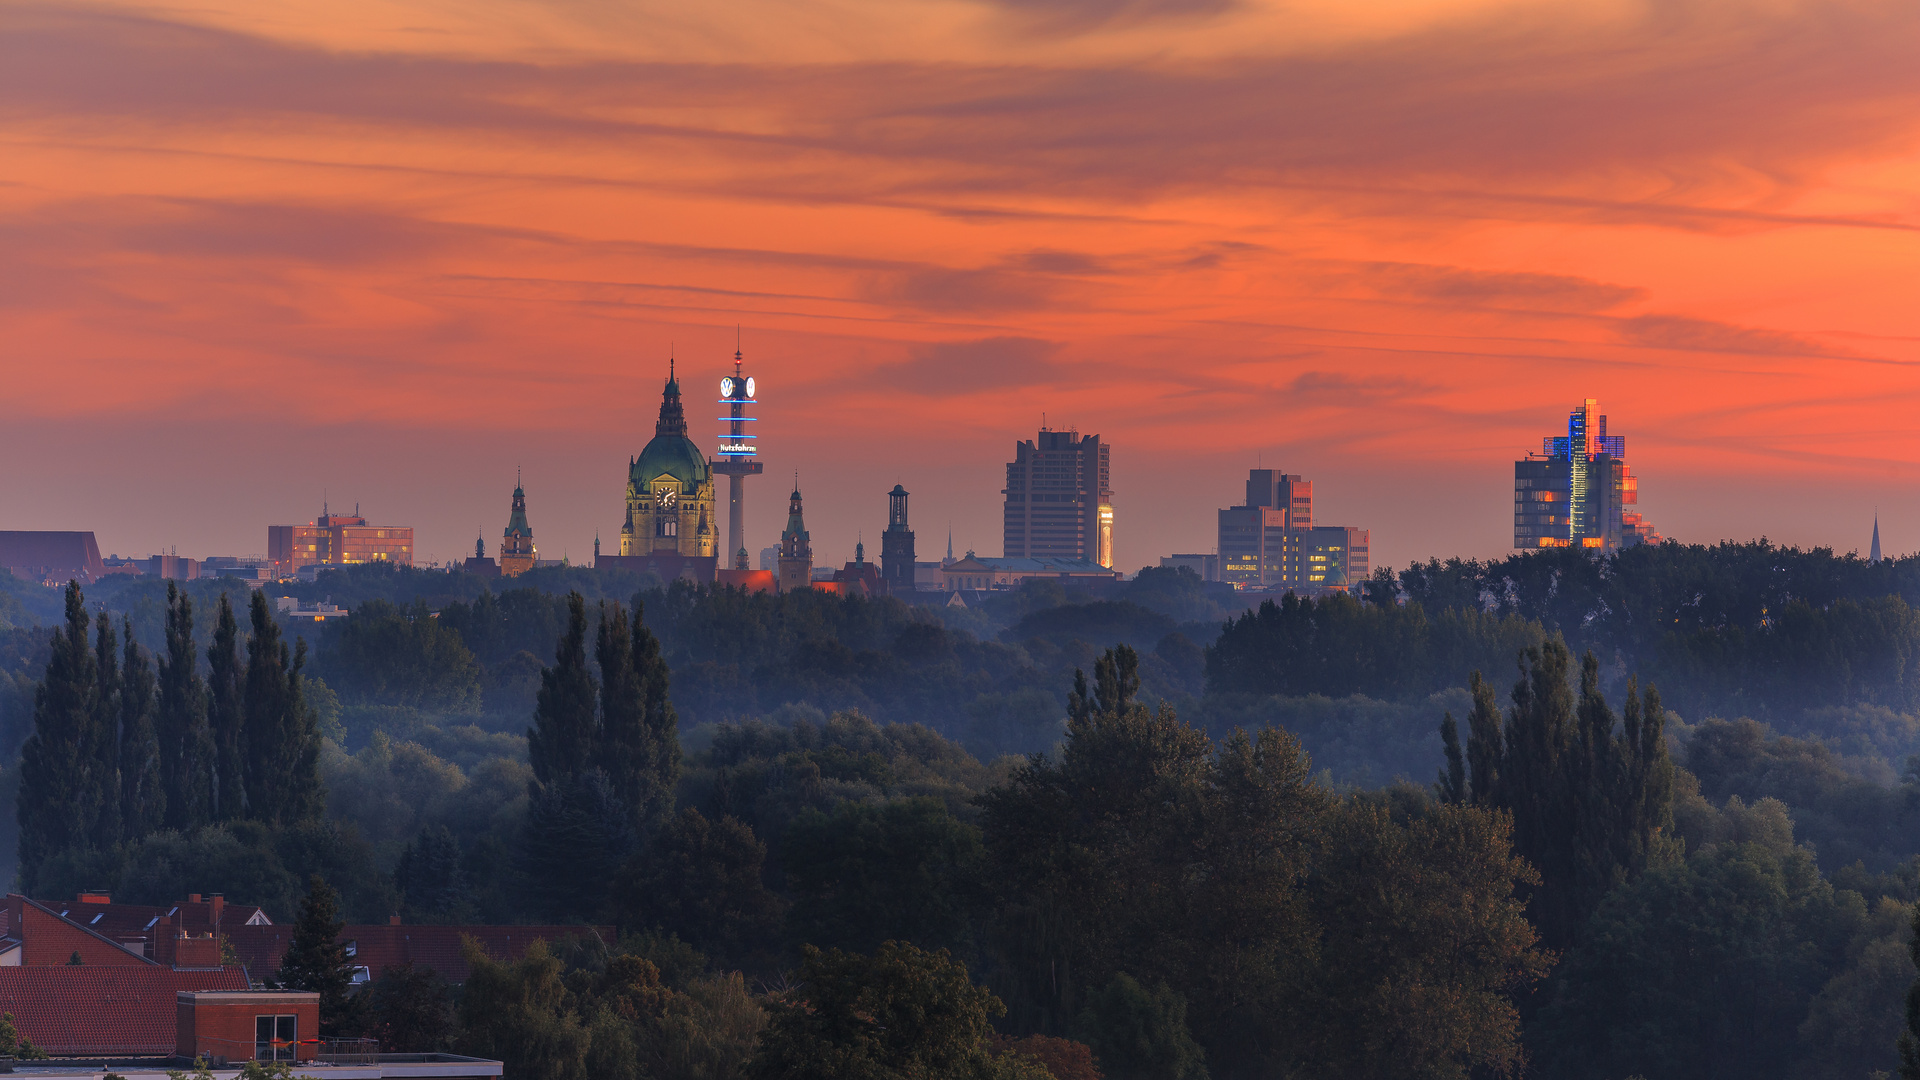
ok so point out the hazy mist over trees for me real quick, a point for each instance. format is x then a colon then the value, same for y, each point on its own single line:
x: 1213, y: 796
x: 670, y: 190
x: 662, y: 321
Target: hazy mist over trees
x: 1651, y: 814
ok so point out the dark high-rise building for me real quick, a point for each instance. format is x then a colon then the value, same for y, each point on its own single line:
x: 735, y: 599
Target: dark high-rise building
x: 1271, y: 542
x: 1575, y: 492
x: 896, y: 544
x: 1060, y: 498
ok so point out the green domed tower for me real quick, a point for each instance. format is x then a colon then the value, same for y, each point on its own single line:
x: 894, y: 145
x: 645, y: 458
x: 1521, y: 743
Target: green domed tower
x: 669, y: 489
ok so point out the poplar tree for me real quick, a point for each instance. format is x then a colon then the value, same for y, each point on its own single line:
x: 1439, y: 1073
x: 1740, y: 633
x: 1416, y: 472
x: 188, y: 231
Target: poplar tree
x: 1589, y: 792
x: 1452, y: 785
x: 658, y: 720
x: 102, y: 752
x: 577, y: 826
x: 622, y: 740
x: 1483, y: 741
x: 180, y: 722
x: 57, y: 805
x: 639, y: 741
x: 226, y: 719
x: 143, y: 797
x: 282, y: 746
x: 560, y: 745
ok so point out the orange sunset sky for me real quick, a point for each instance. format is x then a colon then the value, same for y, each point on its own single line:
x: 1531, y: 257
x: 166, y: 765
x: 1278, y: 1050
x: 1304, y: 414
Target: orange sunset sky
x: 388, y: 250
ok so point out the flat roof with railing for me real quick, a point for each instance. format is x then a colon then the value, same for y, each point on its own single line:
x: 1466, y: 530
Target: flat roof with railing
x: 356, y: 1067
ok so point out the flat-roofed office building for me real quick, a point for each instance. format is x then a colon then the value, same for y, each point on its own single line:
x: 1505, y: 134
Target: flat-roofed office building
x: 1059, y: 498
x: 337, y: 540
x: 1271, y: 541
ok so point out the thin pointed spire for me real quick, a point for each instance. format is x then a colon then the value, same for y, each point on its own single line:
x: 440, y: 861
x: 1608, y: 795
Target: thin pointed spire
x: 1873, y: 555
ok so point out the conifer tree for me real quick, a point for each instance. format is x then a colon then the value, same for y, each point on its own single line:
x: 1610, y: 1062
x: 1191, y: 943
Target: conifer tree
x: 103, y: 738
x: 282, y: 745
x: 180, y: 724
x: 226, y: 720
x: 432, y: 884
x: 58, y: 804
x: 560, y: 745
x: 143, y: 798
x: 315, y: 960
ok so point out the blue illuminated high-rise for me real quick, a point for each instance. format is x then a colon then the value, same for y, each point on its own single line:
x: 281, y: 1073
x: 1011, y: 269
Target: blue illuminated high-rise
x: 1575, y: 492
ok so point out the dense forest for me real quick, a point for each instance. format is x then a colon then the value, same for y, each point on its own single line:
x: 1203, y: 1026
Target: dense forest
x: 1650, y: 814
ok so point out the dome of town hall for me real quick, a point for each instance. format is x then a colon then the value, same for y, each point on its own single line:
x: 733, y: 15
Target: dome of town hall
x: 669, y: 488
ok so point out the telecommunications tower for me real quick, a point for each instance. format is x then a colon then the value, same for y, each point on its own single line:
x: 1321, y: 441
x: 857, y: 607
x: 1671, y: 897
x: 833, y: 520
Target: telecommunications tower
x: 737, y: 459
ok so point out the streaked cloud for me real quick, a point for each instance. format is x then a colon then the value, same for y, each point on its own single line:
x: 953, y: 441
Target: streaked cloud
x: 1369, y: 233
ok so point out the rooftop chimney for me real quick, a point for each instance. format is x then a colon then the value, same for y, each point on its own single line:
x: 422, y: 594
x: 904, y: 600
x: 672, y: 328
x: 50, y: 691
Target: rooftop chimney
x: 393, y: 920
x: 96, y: 896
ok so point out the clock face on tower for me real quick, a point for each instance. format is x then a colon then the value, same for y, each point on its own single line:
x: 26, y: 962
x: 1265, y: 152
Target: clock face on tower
x: 666, y: 498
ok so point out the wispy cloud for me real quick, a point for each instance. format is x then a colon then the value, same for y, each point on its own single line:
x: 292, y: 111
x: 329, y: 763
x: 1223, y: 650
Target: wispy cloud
x: 1182, y: 220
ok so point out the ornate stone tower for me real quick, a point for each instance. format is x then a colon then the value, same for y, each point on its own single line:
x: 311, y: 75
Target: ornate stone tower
x: 517, y: 553
x: 796, y: 549
x: 669, y: 489
x: 896, y: 544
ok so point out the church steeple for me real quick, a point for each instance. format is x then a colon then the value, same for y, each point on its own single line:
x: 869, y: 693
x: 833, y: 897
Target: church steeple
x: 795, y: 541
x: 796, y: 548
x: 517, y: 553
x: 673, y: 418
x: 1874, y: 554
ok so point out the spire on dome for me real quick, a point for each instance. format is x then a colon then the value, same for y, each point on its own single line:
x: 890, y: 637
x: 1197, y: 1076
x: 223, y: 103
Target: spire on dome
x: 673, y: 418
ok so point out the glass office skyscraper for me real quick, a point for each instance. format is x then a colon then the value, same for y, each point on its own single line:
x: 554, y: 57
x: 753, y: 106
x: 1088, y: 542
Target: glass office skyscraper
x: 1576, y: 491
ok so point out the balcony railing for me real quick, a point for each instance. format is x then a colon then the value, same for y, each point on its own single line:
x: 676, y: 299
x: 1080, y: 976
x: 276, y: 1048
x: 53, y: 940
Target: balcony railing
x: 348, y: 1051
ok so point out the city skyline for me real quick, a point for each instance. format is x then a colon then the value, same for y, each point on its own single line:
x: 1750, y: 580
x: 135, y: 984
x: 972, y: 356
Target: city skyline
x: 843, y: 508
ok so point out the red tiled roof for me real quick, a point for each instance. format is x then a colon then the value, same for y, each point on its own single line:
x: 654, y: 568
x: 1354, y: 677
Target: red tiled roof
x: 104, y: 1011
x: 378, y: 947
x: 128, y: 922
x: 48, y: 939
